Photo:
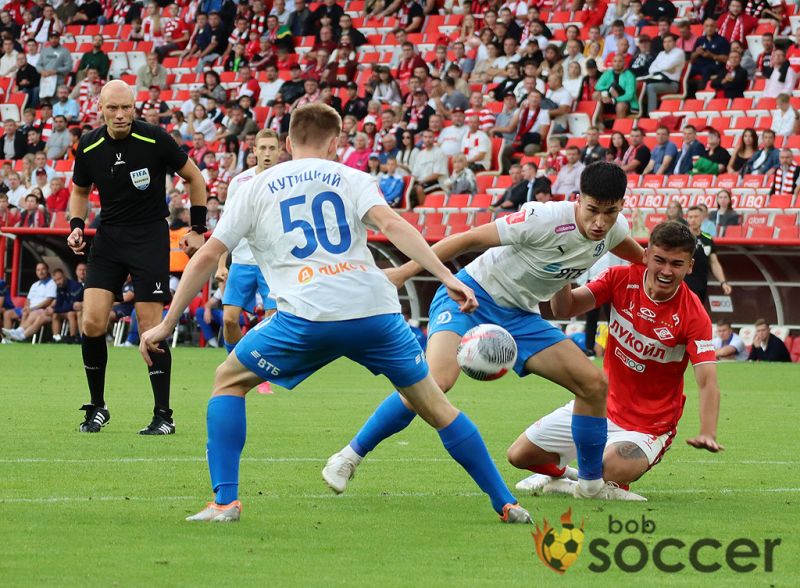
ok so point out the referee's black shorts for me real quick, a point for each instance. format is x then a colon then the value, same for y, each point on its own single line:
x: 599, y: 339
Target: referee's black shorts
x: 139, y: 250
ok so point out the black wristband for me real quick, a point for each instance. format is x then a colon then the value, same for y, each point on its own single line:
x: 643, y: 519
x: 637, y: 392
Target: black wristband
x: 199, y: 229
x: 76, y: 223
x: 198, y: 216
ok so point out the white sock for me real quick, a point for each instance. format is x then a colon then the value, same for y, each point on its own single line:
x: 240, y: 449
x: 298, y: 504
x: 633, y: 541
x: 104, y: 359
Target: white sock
x: 350, y: 454
x: 591, y: 487
x: 570, y: 473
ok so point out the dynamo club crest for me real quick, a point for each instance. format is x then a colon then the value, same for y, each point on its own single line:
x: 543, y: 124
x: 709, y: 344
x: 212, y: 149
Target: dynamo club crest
x: 141, y: 178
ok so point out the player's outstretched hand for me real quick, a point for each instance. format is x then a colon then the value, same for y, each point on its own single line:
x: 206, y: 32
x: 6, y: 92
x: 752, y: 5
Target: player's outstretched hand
x: 191, y: 242
x: 221, y: 275
x: 396, y: 276
x: 462, y: 294
x: 76, y: 242
x: 148, y: 342
x: 706, y: 442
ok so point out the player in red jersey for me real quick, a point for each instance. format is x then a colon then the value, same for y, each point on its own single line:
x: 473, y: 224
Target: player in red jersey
x: 656, y: 326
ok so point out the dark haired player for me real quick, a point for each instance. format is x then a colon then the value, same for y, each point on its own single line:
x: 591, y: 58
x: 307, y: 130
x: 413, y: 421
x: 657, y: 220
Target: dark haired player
x: 529, y: 256
x: 127, y: 160
x: 656, y: 326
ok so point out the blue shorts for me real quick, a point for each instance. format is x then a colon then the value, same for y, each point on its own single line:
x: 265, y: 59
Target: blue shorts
x: 241, y: 287
x: 531, y: 332
x: 286, y: 349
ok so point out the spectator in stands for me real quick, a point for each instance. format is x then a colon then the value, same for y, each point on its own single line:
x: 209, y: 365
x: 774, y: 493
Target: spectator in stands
x: 360, y: 154
x: 8, y: 216
x: 27, y: 80
x: 477, y: 146
x: 655, y: 10
x: 407, y: 153
x: 705, y: 258
x: 63, y: 308
x: 589, y: 81
x: 786, y: 175
x: 709, y: 54
x: 45, y: 23
x: 16, y: 191
x: 707, y: 226
x: 387, y: 91
x: 199, y: 122
x: 573, y: 55
x: 515, y: 173
x: 568, y: 180
x: 727, y: 344
x: 14, y: 141
x: 616, y: 89
x: 766, y: 159
x: 54, y: 60
x: 416, y: 118
x: 593, y: 151
x: 65, y: 106
x: 618, y: 147
x: 151, y: 74
x: 294, y: 87
x: 559, y: 96
x: 237, y: 126
x: 355, y: 105
x: 783, y: 78
x: 312, y: 91
x: 410, y: 59
x: 735, y: 25
x: 391, y: 183
x: 664, y: 74
x: 528, y: 189
x: 476, y: 108
x: 96, y: 58
x: 429, y: 169
x: 462, y: 180
x: 636, y: 158
x: 59, y: 196
x: 764, y: 62
x: 675, y: 212
x: 716, y: 159
x: 212, y: 87
x: 453, y: 98
x: 554, y: 158
x: 33, y: 216
x: 300, y: 19
x: 40, y: 163
x: 60, y: 140
x: 686, y: 40
x: 766, y: 346
x: 748, y: 144
x: 724, y: 215
x: 41, y: 296
x: 622, y: 49
x: 374, y: 165
x: 690, y: 149
x: 732, y: 81
x: 8, y: 61
x: 785, y: 117
x: 328, y: 9
x: 199, y: 148
x: 573, y: 80
x: 89, y: 12
x: 662, y: 158
x: 388, y: 149
x: 613, y: 38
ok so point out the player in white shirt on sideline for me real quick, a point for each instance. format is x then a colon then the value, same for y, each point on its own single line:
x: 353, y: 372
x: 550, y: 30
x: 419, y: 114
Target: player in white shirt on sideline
x: 530, y: 255
x: 244, y: 279
x: 305, y: 223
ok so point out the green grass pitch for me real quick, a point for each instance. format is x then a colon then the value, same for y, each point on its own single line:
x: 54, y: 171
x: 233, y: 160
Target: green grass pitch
x: 108, y: 509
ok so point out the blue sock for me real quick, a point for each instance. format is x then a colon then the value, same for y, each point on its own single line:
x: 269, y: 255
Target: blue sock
x: 227, y: 428
x: 229, y: 346
x: 463, y: 441
x: 590, y: 435
x: 389, y: 418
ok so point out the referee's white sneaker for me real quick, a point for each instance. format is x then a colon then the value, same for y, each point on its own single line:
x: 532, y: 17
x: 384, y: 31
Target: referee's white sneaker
x: 340, y: 469
x: 219, y: 513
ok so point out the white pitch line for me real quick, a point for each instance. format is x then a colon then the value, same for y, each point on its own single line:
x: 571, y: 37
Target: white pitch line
x: 356, y: 496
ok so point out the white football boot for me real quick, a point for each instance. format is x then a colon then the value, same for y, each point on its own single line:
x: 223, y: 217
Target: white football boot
x: 340, y: 469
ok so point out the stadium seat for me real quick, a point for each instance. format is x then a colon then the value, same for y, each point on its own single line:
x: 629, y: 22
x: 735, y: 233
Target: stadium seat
x: 434, y: 232
x: 733, y: 232
x: 727, y: 181
x: 481, y: 218
x: 412, y: 217
x: 787, y: 233
x: 780, y: 200
x: 434, y: 201
x: 760, y: 232
x: 785, y: 220
x: 481, y: 201
x: 433, y: 218
x: 457, y: 218
x: 457, y: 201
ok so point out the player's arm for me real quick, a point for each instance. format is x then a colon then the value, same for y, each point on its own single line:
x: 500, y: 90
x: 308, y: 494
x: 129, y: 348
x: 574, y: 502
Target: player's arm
x: 78, y: 208
x: 719, y: 273
x: 196, y: 274
x: 196, y: 186
x: 569, y: 302
x: 706, y: 376
x: 408, y: 240
x: 629, y: 250
x: 477, y: 239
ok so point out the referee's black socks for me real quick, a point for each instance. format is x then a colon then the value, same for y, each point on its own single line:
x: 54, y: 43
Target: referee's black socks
x: 160, y: 376
x: 95, y: 358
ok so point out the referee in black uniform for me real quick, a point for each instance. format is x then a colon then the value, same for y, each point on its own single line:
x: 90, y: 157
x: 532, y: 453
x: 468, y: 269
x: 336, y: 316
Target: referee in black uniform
x: 705, y: 258
x: 128, y: 161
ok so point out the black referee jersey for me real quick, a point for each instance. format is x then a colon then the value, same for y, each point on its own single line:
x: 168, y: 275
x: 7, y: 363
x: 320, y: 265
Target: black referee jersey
x: 129, y: 173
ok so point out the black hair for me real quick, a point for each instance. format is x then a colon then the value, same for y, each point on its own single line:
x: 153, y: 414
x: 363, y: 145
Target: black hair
x: 604, y: 181
x: 673, y: 235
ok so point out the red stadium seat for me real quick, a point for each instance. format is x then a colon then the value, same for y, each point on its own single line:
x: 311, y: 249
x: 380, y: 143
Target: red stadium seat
x: 434, y: 232
x: 678, y: 181
x: 434, y: 201
x: 457, y: 218
x: 654, y: 218
x: 458, y: 200
x: 453, y: 229
x: 59, y: 221
x: 701, y: 181
x: 734, y: 232
x: 753, y: 181
x: 481, y: 218
x: 651, y: 181
x: 433, y: 218
x: 486, y: 182
x: 756, y: 220
x: 760, y: 232
x: 481, y: 201
x: 785, y: 220
x: 780, y: 200
x: 411, y: 217
x: 785, y: 233
x: 727, y: 181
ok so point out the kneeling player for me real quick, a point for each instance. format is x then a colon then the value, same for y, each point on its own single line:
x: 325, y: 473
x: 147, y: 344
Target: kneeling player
x: 656, y: 326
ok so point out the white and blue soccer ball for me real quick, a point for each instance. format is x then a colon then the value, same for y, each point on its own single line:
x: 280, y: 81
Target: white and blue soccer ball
x: 486, y: 352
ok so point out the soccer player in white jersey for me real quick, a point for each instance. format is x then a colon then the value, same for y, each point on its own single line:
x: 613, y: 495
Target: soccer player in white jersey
x: 245, y: 278
x: 529, y: 256
x: 305, y: 223
x: 656, y: 326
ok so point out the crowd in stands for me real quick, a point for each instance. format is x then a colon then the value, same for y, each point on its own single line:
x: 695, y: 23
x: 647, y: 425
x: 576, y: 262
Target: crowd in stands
x: 433, y: 94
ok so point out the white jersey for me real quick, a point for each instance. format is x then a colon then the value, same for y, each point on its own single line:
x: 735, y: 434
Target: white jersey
x: 303, y: 221
x: 241, y: 253
x: 541, y: 251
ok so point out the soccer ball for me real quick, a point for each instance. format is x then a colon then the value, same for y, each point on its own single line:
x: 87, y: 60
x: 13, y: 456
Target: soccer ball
x: 486, y: 352
x: 561, y: 548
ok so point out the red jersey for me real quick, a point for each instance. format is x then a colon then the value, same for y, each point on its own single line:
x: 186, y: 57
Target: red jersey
x: 649, y: 346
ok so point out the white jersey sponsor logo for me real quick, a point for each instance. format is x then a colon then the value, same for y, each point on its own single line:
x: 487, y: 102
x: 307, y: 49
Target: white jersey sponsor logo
x: 629, y: 363
x: 663, y: 333
x: 642, y: 347
x: 704, y: 346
